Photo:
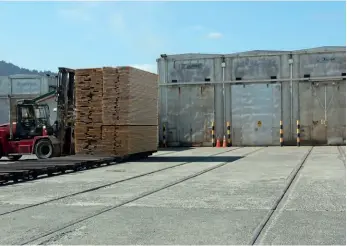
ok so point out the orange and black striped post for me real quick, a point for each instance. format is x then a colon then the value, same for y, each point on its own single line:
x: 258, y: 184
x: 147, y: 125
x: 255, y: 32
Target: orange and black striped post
x: 281, y: 133
x: 228, y: 134
x: 164, y: 135
x: 213, y: 140
x: 298, y: 133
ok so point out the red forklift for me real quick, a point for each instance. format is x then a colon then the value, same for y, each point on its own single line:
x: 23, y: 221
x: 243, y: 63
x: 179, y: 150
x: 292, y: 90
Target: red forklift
x: 32, y: 133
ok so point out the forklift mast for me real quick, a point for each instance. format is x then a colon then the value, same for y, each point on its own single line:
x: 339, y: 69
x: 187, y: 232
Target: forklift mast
x: 66, y: 110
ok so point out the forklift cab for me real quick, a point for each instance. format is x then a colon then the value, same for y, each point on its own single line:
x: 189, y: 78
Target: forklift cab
x: 31, y: 120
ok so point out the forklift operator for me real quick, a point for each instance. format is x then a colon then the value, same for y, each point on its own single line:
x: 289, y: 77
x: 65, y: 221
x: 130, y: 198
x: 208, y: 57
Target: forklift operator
x: 27, y: 118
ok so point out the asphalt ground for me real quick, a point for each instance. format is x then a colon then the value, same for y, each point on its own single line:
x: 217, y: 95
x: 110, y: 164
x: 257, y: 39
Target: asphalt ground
x: 253, y: 195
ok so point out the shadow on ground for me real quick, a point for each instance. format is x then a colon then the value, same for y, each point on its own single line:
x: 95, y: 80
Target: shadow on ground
x: 191, y: 159
x: 175, y: 149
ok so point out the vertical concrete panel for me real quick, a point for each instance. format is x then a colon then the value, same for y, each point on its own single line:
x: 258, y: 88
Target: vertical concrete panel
x: 286, y: 104
x: 25, y: 86
x: 218, y: 100
x: 319, y: 65
x: 219, y: 111
x: 249, y: 68
x: 162, y: 104
x: 4, y: 110
x: 296, y: 98
x: 276, y: 112
x: 236, y: 114
x: 191, y: 70
x: 4, y: 85
x: 228, y: 97
x: 228, y: 105
x: 286, y: 99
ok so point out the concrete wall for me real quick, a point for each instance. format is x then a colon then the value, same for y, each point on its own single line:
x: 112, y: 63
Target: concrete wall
x: 26, y: 84
x: 21, y: 87
x: 194, y: 98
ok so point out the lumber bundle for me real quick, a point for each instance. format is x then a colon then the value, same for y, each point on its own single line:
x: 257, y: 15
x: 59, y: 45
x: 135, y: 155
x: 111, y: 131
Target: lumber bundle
x: 116, y: 111
x: 88, y: 92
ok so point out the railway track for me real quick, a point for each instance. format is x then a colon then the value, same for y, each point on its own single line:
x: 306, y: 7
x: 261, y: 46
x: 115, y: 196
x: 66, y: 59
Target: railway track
x: 342, y: 155
x: 137, y: 197
x: 26, y: 170
x: 112, y: 183
x: 261, y: 227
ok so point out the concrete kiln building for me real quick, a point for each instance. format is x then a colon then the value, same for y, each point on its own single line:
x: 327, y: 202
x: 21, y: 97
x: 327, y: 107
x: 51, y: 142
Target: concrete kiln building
x: 253, y: 91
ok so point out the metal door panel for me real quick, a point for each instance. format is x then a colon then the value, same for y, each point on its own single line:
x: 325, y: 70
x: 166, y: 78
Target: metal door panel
x: 202, y: 113
x: 322, y: 111
x: 318, y: 130
x: 257, y: 106
x: 306, y: 109
x: 253, y: 103
x: 185, y: 114
x: 196, y: 114
x: 173, y: 107
x: 336, y: 111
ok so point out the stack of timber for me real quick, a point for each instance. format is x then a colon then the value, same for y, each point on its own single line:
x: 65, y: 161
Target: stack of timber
x: 116, y: 111
x: 88, y: 124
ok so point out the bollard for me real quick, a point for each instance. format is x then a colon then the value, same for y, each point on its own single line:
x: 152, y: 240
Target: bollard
x: 213, y: 135
x: 228, y: 134
x: 281, y: 133
x: 298, y: 133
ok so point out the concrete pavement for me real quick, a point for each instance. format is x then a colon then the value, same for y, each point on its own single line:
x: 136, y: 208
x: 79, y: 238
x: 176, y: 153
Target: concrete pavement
x: 314, y: 209
x: 222, y: 206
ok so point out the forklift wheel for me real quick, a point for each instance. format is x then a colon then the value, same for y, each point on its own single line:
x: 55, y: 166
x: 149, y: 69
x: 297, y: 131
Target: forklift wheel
x: 14, y: 157
x: 44, y: 149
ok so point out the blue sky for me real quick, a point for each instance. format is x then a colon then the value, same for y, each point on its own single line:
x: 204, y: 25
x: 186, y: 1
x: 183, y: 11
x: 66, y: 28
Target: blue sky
x: 45, y: 35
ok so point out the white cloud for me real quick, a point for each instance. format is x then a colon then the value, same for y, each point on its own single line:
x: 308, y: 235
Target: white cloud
x: 147, y: 67
x: 215, y: 35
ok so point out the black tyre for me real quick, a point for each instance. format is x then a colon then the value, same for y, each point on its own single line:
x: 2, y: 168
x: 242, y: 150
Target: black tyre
x: 44, y: 149
x: 14, y: 157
